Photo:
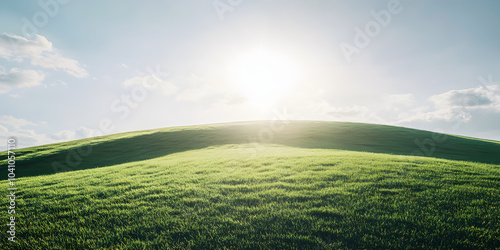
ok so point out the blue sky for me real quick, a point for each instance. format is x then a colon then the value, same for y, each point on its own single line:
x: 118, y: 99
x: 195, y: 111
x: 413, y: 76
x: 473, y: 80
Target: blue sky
x: 75, y: 69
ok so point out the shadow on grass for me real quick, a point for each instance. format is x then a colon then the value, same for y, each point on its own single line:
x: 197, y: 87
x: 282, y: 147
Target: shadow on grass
x: 303, y: 134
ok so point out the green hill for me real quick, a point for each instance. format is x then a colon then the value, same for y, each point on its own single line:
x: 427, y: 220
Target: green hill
x: 259, y: 185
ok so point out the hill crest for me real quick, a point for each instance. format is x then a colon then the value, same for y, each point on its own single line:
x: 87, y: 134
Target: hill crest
x: 148, y: 144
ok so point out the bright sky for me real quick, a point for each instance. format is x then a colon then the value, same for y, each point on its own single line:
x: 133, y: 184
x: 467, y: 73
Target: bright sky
x: 74, y: 69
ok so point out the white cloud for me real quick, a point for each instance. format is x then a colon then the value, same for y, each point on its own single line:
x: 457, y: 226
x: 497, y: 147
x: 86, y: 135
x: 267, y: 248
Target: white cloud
x: 16, y: 123
x: 459, y: 105
x: 3, y: 131
x: 447, y: 114
x: 18, y: 78
x: 40, y: 52
x: 25, y: 137
x: 29, y: 137
x: 81, y: 132
x: 398, y: 107
x: 58, y: 82
x: 473, y: 97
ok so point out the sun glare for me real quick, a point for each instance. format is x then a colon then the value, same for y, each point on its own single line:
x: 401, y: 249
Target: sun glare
x: 263, y: 77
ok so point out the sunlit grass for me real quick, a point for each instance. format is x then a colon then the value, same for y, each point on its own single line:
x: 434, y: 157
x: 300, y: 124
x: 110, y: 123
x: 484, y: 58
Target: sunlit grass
x: 228, y: 197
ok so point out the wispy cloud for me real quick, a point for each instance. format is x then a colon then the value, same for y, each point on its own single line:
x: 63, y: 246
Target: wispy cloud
x: 14, y: 122
x: 459, y: 105
x: 18, y: 78
x: 473, y: 97
x: 75, y: 134
x: 25, y: 137
x: 26, y: 132
x: 40, y: 52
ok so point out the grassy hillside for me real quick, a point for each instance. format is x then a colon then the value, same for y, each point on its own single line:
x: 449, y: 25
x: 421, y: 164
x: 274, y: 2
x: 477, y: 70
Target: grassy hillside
x: 207, y: 187
x: 143, y: 145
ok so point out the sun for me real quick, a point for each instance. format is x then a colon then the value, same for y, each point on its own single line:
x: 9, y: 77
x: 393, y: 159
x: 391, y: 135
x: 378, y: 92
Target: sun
x: 263, y: 76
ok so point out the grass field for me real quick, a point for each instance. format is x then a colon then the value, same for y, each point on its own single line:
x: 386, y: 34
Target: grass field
x: 312, y: 185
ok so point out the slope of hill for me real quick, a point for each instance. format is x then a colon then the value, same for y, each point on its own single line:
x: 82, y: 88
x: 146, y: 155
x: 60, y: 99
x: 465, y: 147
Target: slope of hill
x: 142, y: 145
x: 317, y: 185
